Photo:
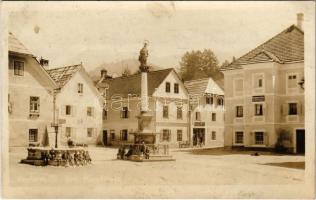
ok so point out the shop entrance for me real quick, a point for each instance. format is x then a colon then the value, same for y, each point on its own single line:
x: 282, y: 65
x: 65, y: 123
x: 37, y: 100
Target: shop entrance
x: 300, y: 141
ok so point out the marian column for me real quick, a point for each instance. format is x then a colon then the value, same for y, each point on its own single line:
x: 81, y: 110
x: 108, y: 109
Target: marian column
x: 144, y: 83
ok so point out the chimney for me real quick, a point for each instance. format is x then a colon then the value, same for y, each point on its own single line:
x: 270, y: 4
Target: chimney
x: 300, y: 18
x: 104, y: 73
x: 44, y: 63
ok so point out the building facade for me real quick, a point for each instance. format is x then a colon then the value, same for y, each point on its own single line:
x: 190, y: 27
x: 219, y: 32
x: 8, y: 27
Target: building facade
x: 79, y: 105
x: 206, y: 112
x: 167, y: 100
x: 265, y: 96
x: 30, y: 97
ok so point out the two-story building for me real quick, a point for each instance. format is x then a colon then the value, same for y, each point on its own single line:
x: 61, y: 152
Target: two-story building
x: 79, y: 105
x: 264, y: 95
x: 30, y: 97
x: 206, y: 112
x: 167, y: 100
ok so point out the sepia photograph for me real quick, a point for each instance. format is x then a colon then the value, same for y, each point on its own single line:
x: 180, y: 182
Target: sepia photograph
x: 163, y: 99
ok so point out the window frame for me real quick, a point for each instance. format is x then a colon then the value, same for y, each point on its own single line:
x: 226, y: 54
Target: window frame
x: 18, y: 72
x: 80, y: 88
x: 289, y: 109
x: 124, y: 135
x: 168, y: 87
x: 236, y: 139
x: 166, y: 135
x: 255, y: 139
x: 165, y: 111
x: 197, y: 116
x: 213, y: 135
x: 125, y: 112
x: 70, y: 110
x: 90, y: 111
x: 176, y: 89
x: 35, y: 139
x: 88, y: 133
x: 179, y: 110
x: 260, y: 110
x: 237, y: 114
x: 33, y: 105
x: 213, y: 117
x: 179, y: 133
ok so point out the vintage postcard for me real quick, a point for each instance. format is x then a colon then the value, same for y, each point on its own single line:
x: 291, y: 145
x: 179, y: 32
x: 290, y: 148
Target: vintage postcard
x: 143, y: 99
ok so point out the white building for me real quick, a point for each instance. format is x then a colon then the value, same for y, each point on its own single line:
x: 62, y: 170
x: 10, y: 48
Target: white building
x: 168, y: 104
x: 79, y: 104
x: 30, y: 96
x: 207, y: 112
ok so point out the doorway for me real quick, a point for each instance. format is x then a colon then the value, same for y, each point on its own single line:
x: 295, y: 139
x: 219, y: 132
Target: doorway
x: 300, y: 141
x: 198, y: 136
x: 105, y: 137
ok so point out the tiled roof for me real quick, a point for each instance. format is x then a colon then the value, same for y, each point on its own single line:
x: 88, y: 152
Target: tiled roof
x: 132, y: 84
x: 63, y: 74
x: 287, y: 46
x: 202, y: 86
x: 16, y: 46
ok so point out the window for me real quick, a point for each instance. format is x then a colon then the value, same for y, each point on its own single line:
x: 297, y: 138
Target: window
x: 220, y: 101
x: 68, y: 110
x: 197, y: 116
x: 209, y: 100
x: 258, y: 80
x: 112, y: 133
x: 18, y: 68
x: 90, y: 111
x: 168, y: 87
x: 292, y: 109
x: 239, y: 137
x: 124, y: 113
x: 259, y: 138
x: 166, y: 135
x: 124, y: 135
x: 80, y: 88
x: 213, y: 135
x: 179, y: 135
x: 89, y: 132
x: 176, y: 88
x: 34, y: 104
x: 104, y: 114
x: 165, y: 111
x: 213, y: 117
x: 68, y: 132
x: 258, y: 109
x: 33, y: 135
x: 239, y: 111
x: 179, y: 112
x: 292, y: 81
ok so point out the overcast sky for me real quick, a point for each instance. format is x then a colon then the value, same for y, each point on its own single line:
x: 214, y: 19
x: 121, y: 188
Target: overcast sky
x: 102, y: 32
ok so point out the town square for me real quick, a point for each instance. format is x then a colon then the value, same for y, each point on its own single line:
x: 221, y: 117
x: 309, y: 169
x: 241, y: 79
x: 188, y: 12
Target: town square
x: 158, y: 100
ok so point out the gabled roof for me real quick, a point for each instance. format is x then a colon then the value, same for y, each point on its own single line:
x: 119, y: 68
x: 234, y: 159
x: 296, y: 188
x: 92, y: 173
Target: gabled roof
x: 132, y: 84
x: 203, y: 86
x: 16, y: 46
x: 287, y: 46
x: 63, y: 74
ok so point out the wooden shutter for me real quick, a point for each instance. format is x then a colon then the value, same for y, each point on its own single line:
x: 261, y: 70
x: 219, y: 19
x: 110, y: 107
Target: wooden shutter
x: 161, y: 135
x: 169, y: 135
x: 63, y: 110
x: 73, y: 110
x: 284, y: 109
x: 264, y: 109
x: 299, y: 108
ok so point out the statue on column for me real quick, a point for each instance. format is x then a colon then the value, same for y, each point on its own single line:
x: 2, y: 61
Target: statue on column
x: 143, y: 54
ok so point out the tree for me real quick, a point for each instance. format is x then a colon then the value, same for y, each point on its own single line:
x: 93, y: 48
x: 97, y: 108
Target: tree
x: 199, y: 64
x: 225, y: 63
x: 126, y: 72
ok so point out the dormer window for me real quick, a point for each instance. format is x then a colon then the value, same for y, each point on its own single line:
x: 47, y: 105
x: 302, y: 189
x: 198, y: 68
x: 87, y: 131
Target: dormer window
x: 18, y: 68
x: 80, y: 88
x: 167, y: 87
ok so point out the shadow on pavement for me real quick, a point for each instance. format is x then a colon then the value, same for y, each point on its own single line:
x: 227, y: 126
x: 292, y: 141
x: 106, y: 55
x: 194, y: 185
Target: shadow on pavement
x: 296, y: 165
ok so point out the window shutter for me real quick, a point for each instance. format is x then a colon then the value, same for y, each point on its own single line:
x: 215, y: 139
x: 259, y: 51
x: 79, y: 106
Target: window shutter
x: 284, y: 109
x: 169, y: 135
x: 264, y: 109
x: 93, y: 114
x: 299, y: 108
x: 266, y: 138
x: 121, y: 113
x: 63, y: 110
x: 161, y: 136
x: 38, y: 105
x: 73, y: 110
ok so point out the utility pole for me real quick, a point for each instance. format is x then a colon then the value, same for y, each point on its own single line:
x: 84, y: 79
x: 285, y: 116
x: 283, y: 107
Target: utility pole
x: 55, y: 122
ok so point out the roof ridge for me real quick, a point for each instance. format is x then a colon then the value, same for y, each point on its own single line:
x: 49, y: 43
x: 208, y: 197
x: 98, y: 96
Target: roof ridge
x: 137, y: 74
x: 197, y: 79
x: 64, y: 67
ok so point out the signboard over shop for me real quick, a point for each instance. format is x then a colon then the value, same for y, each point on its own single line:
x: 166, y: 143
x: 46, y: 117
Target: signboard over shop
x: 258, y: 98
x: 199, y: 123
